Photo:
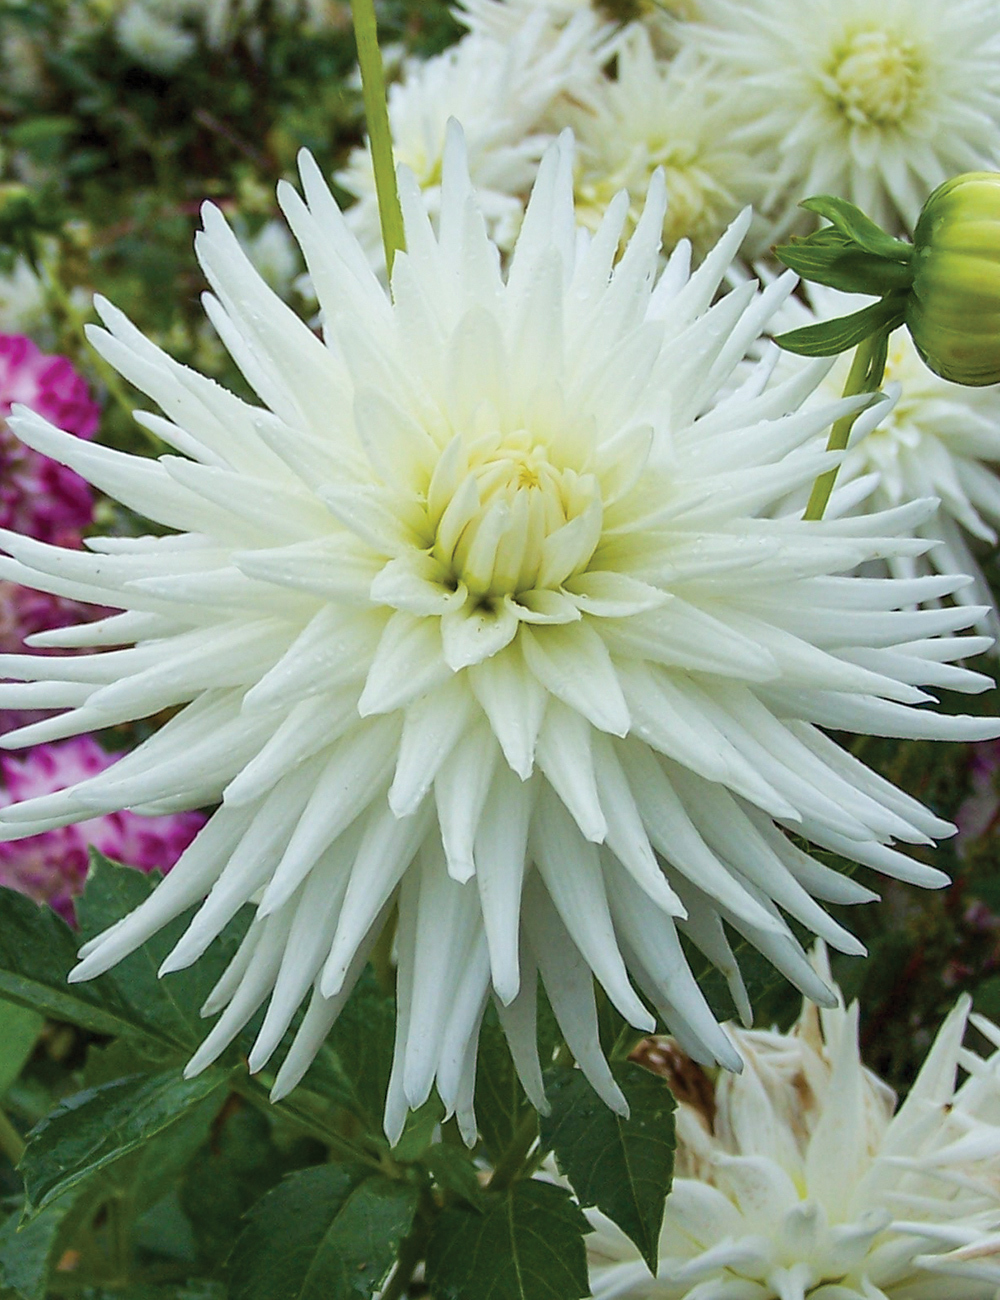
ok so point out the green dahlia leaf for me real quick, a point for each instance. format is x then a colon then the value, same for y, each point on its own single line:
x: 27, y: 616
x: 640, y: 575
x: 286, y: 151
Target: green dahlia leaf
x: 19, y: 1030
x: 453, y: 1170
x: 38, y: 950
x: 26, y: 1251
x: 623, y: 1166
x: 527, y: 1245
x: 328, y: 1233
x: 95, y: 1128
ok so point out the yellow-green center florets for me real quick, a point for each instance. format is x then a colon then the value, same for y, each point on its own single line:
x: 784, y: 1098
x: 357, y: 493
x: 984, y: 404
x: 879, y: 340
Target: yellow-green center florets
x: 700, y: 201
x: 515, y: 520
x: 874, y: 78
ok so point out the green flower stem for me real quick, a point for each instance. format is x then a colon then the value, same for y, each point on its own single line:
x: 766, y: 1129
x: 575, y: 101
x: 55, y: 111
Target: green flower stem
x: 513, y: 1159
x: 379, y: 134
x: 256, y: 1093
x: 381, y: 958
x: 11, y: 1142
x: 626, y: 1043
x: 120, y: 1239
x: 866, y: 374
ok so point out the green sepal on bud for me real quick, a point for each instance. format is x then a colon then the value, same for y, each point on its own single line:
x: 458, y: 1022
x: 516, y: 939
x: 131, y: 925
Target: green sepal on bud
x: 831, y: 337
x: 945, y: 286
x: 851, y: 254
x: 953, y: 307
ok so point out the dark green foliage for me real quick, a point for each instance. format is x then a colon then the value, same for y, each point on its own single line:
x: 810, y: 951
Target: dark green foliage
x: 95, y: 1128
x: 26, y: 1251
x: 528, y: 1245
x: 329, y: 1233
x: 623, y: 1166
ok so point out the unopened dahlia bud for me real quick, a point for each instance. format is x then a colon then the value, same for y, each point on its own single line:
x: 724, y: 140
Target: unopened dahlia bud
x: 953, y: 309
x: 945, y: 286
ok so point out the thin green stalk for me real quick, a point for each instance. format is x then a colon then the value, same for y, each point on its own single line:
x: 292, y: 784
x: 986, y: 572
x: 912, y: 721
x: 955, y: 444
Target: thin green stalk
x: 381, y: 957
x: 11, y: 1142
x: 256, y: 1093
x: 379, y: 134
x: 626, y: 1043
x: 513, y: 1159
x: 120, y: 1239
x: 866, y: 374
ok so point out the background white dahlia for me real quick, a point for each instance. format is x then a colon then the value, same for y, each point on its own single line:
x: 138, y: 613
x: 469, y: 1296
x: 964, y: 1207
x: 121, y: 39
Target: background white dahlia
x: 479, y: 615
x: 673, y: 115
x: 932, y: 439
x: 501, y: 92
x: 877, y: 101
x: 797, y: 1178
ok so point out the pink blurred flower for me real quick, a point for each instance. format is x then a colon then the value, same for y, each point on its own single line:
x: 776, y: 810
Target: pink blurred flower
x: 23, y: 612
x: 979, y: 812
x: 39, y: 497
x: 52, y: 867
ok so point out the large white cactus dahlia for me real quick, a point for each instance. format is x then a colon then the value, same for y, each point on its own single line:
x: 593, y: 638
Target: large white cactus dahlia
x: 479, y: 613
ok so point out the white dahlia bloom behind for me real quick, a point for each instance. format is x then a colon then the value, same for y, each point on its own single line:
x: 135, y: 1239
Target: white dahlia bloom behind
x: 877, y: 101
x: 503, y: 20
x: 478, y: 614
x: 931, y: 439
x: 673, y: 115
x: 796, y: 1178
x: 501, y: 92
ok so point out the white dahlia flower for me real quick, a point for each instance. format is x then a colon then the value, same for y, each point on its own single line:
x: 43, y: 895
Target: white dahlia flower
x: 154, y: 41
x: 478, y: 615
x: 796, y: 1178
x: 223, y: 19
x: 877, y: 101
x: 670, y: 115
x: 932, y: 439
x: 500, y: 93
x: 502, y: 20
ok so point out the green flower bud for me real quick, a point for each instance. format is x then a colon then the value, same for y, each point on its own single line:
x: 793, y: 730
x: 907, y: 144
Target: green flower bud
x: 953, y: 306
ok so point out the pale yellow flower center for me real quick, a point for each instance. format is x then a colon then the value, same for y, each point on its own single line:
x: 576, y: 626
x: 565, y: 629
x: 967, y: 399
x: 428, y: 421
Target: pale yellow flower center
x: 699, y: 204
x: 495, y: 532
x: 874, y: 78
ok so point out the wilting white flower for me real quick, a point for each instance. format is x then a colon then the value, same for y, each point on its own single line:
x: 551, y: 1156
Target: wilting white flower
x: 154, y: 41
x: 877, y: 101
x: 500, y: 92
x: 669, y: 115
x: 478, y: 614
x: 931, y: 440
x: 797, y: 1178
